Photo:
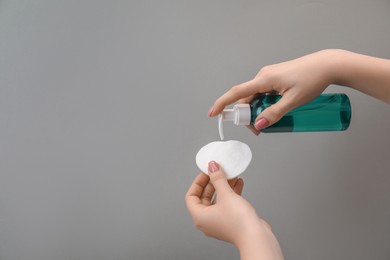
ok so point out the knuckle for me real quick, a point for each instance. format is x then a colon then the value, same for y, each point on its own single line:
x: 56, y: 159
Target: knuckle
x: 266, y: 224
x: 265, y: 69
x: 219, y: 102
x: 197, y: 224
x: 235, y: 89
x: 187, y: 196
x: 207, y: 197
x: 217, y: 176
x: 207, y: 234
x: 246, y: 211
x: 268, y: 74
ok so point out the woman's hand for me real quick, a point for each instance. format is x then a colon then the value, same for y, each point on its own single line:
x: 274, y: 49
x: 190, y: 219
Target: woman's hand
x: 301, y: 80
x: 298, y: 81
x: 230, y: 217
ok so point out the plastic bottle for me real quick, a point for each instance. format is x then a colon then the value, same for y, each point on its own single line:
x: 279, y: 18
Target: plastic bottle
x: 327, y: 112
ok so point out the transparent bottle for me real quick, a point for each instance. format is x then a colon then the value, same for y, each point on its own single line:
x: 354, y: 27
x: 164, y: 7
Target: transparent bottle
x: 327, y: 112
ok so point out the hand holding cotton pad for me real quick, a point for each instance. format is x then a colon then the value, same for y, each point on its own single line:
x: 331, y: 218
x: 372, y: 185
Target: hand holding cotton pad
x: 233, y: 156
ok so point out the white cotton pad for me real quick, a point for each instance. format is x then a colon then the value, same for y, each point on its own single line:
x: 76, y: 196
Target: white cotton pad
x: 233, y: 156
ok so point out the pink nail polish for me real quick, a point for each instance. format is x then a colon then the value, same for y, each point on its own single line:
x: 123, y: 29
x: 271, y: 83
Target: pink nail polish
x: 211, y: 110
x: 213, y: 167
x: 261, y: 123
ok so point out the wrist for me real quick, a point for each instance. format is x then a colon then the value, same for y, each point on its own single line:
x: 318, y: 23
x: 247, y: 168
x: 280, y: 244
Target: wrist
x: 253, y: 232
x: 259, y: 242
x: 338, y: 63
x: 333, y: 61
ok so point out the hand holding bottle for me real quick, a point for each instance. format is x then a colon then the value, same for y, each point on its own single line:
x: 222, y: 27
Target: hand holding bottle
x: 230, y: 218
x: 301, y: 80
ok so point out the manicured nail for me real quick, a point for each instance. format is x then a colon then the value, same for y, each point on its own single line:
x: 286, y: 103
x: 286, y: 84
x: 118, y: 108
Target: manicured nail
x: 211, y: 110
x: 213, y: 166
x: 261, y: 123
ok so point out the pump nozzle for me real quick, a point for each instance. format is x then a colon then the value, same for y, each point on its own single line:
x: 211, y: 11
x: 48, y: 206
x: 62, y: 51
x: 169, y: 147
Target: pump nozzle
x: 240, y: 115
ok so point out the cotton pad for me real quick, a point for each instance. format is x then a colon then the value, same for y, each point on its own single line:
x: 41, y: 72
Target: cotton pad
x: 233, y: 156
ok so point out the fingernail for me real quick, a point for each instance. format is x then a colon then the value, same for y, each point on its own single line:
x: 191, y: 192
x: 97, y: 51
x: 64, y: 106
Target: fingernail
x: 261, y: 123
x: 213, y: 166
x: 211, y: 110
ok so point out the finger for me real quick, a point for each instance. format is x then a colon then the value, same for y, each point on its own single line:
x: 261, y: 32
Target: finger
x: 209, y: 197
x: 195, y: 191
x: 214, y: 199
x: 249, y: 99
x: 238, y: 92
x: 218, y: 179
x: 207, y: 194
x: 239, y: 186
x: 274, y: 113
x: 246, y: 100
x: 232, y: 184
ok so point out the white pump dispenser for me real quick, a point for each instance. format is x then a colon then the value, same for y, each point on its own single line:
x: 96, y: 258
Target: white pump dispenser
x: 239, y: 115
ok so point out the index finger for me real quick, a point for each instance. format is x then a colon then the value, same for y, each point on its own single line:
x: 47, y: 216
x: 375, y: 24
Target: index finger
x: 238, y: 92
x: 194, y: 193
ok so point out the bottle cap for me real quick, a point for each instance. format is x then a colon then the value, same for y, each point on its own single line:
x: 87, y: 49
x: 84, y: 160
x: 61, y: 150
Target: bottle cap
x: 239, y: 115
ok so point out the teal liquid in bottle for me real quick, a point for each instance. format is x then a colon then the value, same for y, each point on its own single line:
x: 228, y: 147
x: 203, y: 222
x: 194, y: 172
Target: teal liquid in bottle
x: 327, y: 112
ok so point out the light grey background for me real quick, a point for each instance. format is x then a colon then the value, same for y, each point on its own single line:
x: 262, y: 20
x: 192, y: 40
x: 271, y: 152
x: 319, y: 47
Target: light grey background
x: 103, y: 106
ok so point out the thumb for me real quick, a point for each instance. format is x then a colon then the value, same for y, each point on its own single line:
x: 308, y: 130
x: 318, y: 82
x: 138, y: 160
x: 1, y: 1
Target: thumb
x: 273, y: 113
x: 218, y: 178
